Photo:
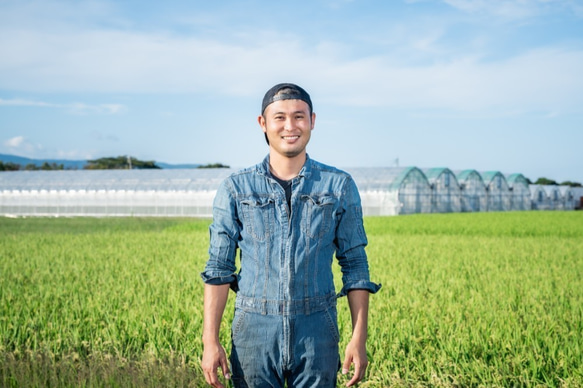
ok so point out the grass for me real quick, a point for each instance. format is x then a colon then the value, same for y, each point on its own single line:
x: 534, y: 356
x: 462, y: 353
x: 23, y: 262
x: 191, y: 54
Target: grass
x: 468, y: 300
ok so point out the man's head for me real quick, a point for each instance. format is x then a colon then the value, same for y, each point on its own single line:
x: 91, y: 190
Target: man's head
x: 285, y: 91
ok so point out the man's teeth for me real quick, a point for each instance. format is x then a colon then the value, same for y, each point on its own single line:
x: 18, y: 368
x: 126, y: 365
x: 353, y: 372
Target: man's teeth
x: 290, y: 137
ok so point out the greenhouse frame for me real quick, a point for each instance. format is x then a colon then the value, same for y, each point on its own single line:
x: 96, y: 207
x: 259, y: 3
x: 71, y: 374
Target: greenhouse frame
x: 554, y: 197
x: 473, y: 195
x: 446, y: 193
x: 520, y: 192
x: 539, y: 198
x: 498, y: 191
x: 567, y: 198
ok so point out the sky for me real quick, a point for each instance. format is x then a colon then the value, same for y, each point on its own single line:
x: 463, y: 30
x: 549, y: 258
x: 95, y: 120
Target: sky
x: 490, y: 85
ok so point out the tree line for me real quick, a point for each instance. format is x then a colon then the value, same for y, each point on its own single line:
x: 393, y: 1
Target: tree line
x: 107, y: 163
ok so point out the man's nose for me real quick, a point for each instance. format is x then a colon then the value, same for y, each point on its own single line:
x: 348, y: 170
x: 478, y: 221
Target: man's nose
x: 287, y: 125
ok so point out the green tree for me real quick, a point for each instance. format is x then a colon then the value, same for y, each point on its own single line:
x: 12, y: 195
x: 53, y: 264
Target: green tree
x: 545, y: 181
x: 119, y: 163
x: 214, y: 165
x: 572, y: 184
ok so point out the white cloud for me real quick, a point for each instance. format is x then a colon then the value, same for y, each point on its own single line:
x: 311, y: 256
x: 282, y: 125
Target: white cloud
x: 21, y: 146
x: 14, y: 142
x: 74, y: 108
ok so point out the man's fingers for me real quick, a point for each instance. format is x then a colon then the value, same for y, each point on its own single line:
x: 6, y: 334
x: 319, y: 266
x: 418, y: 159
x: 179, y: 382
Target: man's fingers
x: 355, y: 378
x: 225, y: 368
x: 213, y: 379
x: 359, y: 372
x: 346, y: 365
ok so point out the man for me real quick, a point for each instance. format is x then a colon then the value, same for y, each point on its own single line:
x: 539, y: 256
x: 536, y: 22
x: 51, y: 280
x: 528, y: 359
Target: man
x: 288, y: 216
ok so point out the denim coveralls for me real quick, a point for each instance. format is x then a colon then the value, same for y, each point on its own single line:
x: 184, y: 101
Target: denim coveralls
x: 285, y: 326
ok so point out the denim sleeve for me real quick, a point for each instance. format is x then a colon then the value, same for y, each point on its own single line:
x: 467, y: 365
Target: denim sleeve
x: 224, y: 234
x: 351, y: 241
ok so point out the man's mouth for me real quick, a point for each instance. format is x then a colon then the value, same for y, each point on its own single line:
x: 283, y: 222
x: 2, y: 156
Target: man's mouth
x: 290, y: 137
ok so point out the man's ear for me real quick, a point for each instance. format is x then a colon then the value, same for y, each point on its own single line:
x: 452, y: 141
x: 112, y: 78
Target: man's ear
x: 261, y: 121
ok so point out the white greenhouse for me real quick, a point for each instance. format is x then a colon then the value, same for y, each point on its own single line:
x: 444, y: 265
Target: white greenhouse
x: 554, y: 197
x: 539, y: 198
x: 577, y: 197
x: 446, y: 191
x: 473, y: 196
x: 567, y: 199
x: 498, y: 191
x: 520, y: 193
x: 392, y: 191
x: 190, y: 192
x: 110, y: 192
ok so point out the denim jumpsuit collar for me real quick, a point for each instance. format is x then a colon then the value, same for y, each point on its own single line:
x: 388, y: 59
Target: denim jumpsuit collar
x: 305, y: 171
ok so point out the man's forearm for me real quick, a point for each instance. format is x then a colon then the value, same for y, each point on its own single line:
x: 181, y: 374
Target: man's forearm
x: 358, y: 303
x: 215, y: 300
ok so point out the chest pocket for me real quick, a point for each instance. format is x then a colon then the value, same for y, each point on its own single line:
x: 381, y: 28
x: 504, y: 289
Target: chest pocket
x: 317, y: 214
x: 258, y: 214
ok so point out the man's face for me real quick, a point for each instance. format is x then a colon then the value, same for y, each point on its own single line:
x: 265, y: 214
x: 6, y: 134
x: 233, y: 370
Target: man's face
x: 288, y: 126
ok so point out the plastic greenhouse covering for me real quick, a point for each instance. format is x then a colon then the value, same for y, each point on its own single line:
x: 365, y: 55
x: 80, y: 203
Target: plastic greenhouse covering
x: 567, y: 198
x: 111, y: 192
x: 554, y: 197
x: 520, y: 193
x: 190, y: 192
x: 498, y: 191
x: 473, y: 196
x: 446, y: 193
x: 393, y: 191
x: 539, y: 198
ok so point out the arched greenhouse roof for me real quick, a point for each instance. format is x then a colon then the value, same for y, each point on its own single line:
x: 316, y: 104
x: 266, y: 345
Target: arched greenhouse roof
x: 382, y: 178
x: 535, y: 189
x: 489, y: 176
x: 433, y: 174
x: 516, y: 179
x: 465, y: 175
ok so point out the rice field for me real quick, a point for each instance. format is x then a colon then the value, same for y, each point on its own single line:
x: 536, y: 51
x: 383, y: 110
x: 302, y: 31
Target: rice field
x: 468, y: 300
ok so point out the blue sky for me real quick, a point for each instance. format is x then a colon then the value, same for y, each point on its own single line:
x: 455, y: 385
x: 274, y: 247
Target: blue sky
x: 463, y: 84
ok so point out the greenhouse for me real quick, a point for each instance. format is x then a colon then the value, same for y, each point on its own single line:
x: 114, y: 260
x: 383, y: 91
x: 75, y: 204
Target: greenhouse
x: 554, y: 197
x: 392, y: 191
x: 473, y: 196
x: 110, y: 192
x: 567, y: 199
x: 577, y: 197
x: 520, y: 193
x: 539, y: 198
x: 498, y: 191
x: 446, y: 194
x: 190, y: 192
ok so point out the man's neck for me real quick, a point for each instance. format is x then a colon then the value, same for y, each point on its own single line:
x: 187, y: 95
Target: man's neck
x: 286, y: 168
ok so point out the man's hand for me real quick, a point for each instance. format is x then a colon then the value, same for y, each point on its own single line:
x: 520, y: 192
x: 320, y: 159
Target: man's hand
x: 214, y: 357
x: 355, y: 354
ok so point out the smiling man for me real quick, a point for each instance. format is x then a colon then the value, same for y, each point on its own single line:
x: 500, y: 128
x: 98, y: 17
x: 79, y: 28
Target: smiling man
x: 289, y: 216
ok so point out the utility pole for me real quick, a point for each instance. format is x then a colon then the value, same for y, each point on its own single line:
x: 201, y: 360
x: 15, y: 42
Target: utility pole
x: 129, y: 163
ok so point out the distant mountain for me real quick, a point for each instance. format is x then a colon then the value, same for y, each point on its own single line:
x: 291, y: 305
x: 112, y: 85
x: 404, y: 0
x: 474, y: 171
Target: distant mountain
x: 171, y: 166
x: 74, y: 164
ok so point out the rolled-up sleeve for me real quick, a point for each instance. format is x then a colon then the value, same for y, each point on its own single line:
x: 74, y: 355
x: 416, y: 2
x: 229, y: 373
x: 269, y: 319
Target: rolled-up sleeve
x: 224, y: 234
x: 351, y: 241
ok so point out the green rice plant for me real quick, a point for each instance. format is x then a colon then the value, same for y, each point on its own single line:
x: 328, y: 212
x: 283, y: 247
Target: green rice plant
x: 487, y: 299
